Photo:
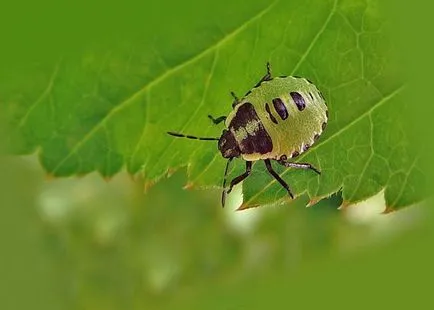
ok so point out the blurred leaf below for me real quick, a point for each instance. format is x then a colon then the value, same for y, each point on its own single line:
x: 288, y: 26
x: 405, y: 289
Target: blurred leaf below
x: 91, y: 244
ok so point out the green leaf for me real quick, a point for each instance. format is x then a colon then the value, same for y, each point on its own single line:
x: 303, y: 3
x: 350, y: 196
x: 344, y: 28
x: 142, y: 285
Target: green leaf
x: 109, y: 104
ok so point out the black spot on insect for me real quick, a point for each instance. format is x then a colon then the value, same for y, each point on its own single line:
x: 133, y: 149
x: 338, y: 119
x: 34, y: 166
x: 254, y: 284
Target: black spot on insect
x: 309, y: 81
x: 323, y: 126
x: 295, y: 154
x: 245, y: 114
x: 306, y: 147
x: 257, y: 142
x: 316, y: 136
x: 311, y: 96
x: 267, y: 108
x: 327, y: 113
x: 320, y: 94
x: 298, y: 100
x: 283, y: 158
x: 228, y: 145
x: 297, y: 77
x: 280, y: 108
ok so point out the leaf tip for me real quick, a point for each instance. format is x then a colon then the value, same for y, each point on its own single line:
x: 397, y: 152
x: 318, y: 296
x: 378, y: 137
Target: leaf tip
x: 107, y: 178
x: 147, y: 185
x: 49, y: 176
x: 245, y: 206
x: 170, y: 172
x: 388, y: 210
x: 344, y: 205
x: 132, y: 177
x: 312, y: 202
x: 189, y: 185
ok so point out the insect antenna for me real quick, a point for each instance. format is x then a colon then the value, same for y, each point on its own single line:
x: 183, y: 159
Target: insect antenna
x: 180, y: 135
x: 224, y: 182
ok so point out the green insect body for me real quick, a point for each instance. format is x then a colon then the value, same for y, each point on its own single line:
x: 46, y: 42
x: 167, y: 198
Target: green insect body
x: 278, y: 119
x: 295, y: 134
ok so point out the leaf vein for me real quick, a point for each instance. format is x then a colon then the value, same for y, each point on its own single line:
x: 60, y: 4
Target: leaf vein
x: 132, y: 99
x: 44, y: 94
x: 349, y: 125
x: 404, y: 184
x: 193, y: 115
x: 371, y: 131
x: 315, y: 38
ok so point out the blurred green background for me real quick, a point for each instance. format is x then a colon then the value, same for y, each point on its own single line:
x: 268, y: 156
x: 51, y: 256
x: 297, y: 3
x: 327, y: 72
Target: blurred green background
x: 90, y: 244
x: 84, y: 243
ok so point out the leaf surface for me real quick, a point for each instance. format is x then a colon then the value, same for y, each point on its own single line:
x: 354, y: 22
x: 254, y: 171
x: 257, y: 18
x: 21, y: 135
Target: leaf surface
x: 110, y: 105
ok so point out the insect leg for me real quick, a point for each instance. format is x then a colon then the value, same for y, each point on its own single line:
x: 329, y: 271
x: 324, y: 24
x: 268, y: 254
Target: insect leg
x: 240, y: 178
x: 224, y: 182
x: 277, y: 177
x: 181, y: 135
x: 236, y: 99
x: 217, y: 120
x: 298, y: 165
x: 266, y: 77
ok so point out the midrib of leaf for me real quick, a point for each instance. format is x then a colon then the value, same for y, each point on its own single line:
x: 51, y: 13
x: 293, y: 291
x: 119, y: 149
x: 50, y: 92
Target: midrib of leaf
x: 127, y: 102
x: 330, y: 138
x: 301, y: 60
x: 199, y: 106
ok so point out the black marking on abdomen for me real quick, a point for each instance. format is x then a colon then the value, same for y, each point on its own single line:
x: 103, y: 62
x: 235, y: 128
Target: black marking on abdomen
x: 298, y: 100
x: 267, y: 108
x: 257, y: 142
x: 306, y: 147
x: 323, y: 126
x: 280, y: 108
x: 295, y: 154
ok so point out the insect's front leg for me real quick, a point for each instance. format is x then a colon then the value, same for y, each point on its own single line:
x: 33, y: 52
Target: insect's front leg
x: 217, y: 120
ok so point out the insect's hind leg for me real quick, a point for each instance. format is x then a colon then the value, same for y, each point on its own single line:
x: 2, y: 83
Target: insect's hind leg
x: 217, y: 120
x: 277, y: 177
x: 283, y: 162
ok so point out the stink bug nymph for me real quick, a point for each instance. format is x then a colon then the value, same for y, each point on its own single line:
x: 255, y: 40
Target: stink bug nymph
x: 280, y: 118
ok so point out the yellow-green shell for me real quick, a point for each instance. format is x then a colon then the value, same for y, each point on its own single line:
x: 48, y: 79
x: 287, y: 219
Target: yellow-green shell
x: 296, y: 133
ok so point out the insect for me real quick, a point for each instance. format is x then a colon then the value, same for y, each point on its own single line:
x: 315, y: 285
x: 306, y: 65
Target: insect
x: 277, y: 120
